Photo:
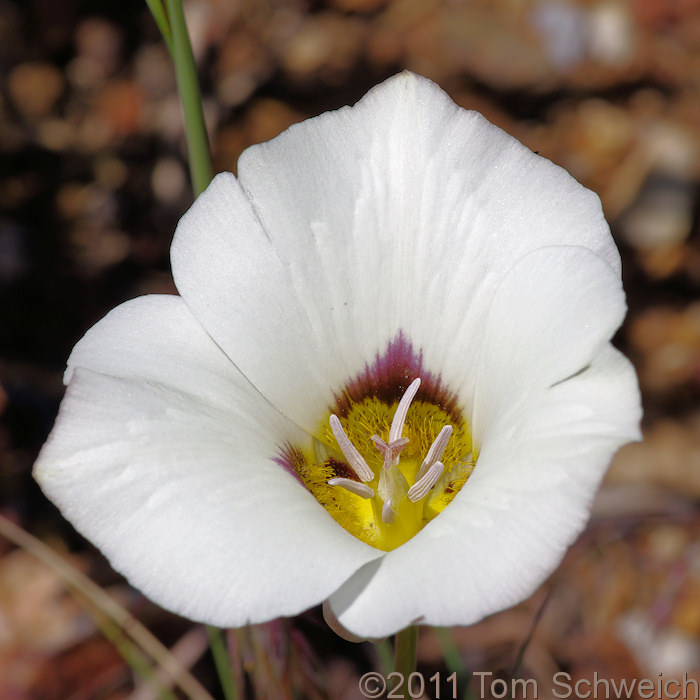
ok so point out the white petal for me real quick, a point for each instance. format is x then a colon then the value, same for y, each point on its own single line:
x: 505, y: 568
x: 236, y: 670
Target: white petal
x: 402, y: 213
x: 168, y: 466
x: 156, y: 339
x: 551, y: 315
x: 509, y: 526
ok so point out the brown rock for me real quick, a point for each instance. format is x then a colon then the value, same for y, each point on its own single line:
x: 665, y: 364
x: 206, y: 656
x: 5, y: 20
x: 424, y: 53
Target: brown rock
x: 120, y: 106
x: 34, y: 88
x: 669, y: 456
x: 327, y: 44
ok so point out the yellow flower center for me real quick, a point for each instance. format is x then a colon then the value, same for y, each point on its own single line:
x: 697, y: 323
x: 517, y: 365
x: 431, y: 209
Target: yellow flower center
x: 383, y: 471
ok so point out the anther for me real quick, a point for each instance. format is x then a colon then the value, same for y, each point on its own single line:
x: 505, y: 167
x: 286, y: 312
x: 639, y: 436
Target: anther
x: 435, y: 451
x: 421, y: 488
x: 401, y: 410
x: 353, y: 486
x: 355, y: 459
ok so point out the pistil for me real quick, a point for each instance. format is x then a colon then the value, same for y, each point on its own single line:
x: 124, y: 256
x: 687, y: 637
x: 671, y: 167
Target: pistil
x: 390, y: 450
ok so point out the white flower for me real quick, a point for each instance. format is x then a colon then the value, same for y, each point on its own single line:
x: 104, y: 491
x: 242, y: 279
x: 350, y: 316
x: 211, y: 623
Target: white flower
x: 400, y: 239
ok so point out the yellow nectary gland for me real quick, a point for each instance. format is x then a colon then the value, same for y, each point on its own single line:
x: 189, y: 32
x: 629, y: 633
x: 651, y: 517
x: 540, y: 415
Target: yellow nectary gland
x: 362, y: 517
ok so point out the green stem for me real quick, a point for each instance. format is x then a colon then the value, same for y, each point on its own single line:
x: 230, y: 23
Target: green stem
x: 450, y: 651
x: 384, y: 653
x: 158, y: 12
x: 222, y: 662
x: 405, y: 646
x: 454, y: 661
x: 188, y: 88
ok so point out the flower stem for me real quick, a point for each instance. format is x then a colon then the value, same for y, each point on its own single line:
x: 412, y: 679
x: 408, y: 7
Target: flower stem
x: 188, y: 88
x: 384, y: 653
x: 454, y: 661
x: 158, y: 12
x: 405, y: 645
x: 222, y: 662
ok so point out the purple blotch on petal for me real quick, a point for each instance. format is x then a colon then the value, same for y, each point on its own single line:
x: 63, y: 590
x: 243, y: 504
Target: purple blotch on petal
x: 388, y: 377
x: 340, y: 469
x: 292, y: 460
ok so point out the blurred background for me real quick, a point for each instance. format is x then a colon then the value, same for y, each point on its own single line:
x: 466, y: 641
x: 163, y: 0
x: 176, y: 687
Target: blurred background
x: 93, y: 178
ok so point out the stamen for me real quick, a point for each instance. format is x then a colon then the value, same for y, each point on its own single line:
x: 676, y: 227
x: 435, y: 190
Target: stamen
x: 421, y: 488
x: 353, y: 486
x: 435, y: 451
x: 388, y: 514
x: 356, y: 460
x: 390, y: 451
x: 421, y: 462
x: 401, y: 411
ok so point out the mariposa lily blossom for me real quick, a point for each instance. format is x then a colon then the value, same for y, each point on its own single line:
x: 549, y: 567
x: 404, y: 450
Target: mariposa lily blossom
x: 388, y: 383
